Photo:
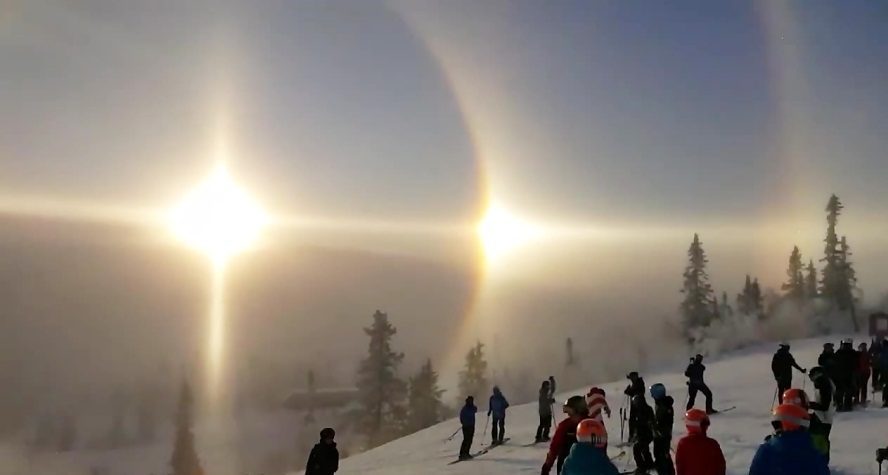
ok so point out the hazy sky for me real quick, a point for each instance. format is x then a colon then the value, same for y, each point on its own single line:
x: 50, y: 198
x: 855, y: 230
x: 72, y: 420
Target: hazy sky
x: 736, y: 119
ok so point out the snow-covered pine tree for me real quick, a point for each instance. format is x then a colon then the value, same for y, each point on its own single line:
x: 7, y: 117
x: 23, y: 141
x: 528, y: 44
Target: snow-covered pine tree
x: 847, y: 299
x: 696, y: 308
x: 424, y: 399
x: 184, y: 460
x: 725, y: 308
x: 380, y: 417
x: 757, y: 299
x: 473, y: 379
x: 794, y: 287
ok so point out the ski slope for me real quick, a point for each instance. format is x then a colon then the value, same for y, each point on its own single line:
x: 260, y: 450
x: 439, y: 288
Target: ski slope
x: 741, y: 379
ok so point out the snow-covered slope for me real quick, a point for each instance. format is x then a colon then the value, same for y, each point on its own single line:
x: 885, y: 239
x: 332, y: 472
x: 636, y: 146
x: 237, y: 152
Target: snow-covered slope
x: 741, y: 379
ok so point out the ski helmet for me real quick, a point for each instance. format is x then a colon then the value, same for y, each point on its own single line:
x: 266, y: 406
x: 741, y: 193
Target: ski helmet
x: 784, y: 344
x: 575, y: 403
x: 327, y: 433
x: 595, y: 402
x: 633, y: 375
x: 596, y: 390
x: 815, y: 372
x: 796, y: 397
x: 658, y: 391
x: 862, y: 346
x: 593, y: 432
x: 792, y: 417
x: 696, y: 420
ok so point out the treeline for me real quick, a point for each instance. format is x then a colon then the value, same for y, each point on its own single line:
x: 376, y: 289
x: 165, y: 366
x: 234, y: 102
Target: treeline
x: 819, y: 298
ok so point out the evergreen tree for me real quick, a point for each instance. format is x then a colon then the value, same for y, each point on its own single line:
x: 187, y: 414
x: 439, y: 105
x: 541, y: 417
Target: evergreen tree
x: 811, y: 281
x: 382, y: 413
x: 725, y: 309
x: 794, y: 287
x: 569, y: 349
x: 424, y: 399
x: 744, y: 298
x: 473, y: 379
x: 757, y: 299
x: 838, y: 280
x: 696, y: 308
x: 184, y: 460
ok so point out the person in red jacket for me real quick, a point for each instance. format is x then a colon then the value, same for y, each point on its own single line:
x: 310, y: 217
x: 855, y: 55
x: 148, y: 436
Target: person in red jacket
x: 565, y: 434
x: 696, y: 453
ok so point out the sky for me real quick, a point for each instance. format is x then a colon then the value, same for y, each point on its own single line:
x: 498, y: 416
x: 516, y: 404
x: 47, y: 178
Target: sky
x: 375, y: 125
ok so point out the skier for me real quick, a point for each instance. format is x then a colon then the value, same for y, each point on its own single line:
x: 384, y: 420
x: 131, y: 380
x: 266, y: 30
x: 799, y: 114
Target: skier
x: 827, y: 360
x: 643, y: 418
x: 545, y: 409
x: 565, y: 434
x: 636, y: 387
x: 663, y: 421
x: 324, y: 457
x: 781, y: 365
x: 864, y: 367
x: 883, y: 372
x: 696, y: 453
x: 822, y: 409
x: 589, y: 455
x: 497, y: 407
x: 792, y: 452
x: 596, y: 401
x: 695, y: 383
x: 467, y: 420
x: 796, y: 397
x: 846, y: 361
x: 874, y: 351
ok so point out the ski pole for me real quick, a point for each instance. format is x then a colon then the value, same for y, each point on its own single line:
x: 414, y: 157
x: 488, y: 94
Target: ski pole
x: 486, y: 421
x: 774, y: 402
x: 453, y: 435
x: 621, y: 425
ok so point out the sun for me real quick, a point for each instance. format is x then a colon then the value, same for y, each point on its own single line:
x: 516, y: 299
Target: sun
x: 502, y: 232
x: 218, y: 218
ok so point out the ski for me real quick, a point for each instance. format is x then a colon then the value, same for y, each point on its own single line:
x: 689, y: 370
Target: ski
x: 618, y: 456
x: 484, y: 450
x: 727, y: 409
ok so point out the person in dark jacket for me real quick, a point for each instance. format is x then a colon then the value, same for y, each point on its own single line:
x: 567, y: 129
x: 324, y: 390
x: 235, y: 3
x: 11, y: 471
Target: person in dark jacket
x: 643, y: 417
x: 467, y: 421
x: 862, y: 376
x: 792, y: 452
x: 827, y: 360
x: 883, y: 365
x: 781, y: 365
x: 497, y: 408
x: 636, y: 387
x: 822, y: 409
x: 845, y: 366
x: 695, y: 383
x: 875, y: 349
x: 663, y: 420
x: 324, y: 457
x: 565, y: 434
x: 545, y: 409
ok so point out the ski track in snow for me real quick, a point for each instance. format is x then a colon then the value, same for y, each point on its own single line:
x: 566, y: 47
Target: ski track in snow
x: 741, y: 378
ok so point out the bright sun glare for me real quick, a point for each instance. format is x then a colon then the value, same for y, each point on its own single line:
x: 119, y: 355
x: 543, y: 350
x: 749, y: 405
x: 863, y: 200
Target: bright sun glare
x: 218, y: 218
x: 502, y: 232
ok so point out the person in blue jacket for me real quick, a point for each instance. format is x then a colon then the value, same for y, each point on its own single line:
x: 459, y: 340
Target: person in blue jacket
x: 792, y: 452
x: 589, y: 455
x: 497, y: 408
x: 467, y: 420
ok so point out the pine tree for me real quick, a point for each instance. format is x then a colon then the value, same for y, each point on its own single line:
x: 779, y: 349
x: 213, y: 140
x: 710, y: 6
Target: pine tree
x: 794, y: 287
x: 838, y: 280
x: 569, y: 350
x: 184, y: 460
x: 811, y: 281
x: 424, y: 399
x: 381, y: 414
x: 696, y: 308
x: 756, y: 298
x: 725, y: 308
x: 744, y: 298
x: 473, y: 379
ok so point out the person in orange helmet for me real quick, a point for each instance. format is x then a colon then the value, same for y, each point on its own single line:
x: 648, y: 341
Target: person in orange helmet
x: 697, y: 453
x: 589, y: 455
x: 792, y: 452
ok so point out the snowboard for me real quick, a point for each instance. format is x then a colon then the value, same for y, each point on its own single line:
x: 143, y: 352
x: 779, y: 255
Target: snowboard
x: 484, y: 450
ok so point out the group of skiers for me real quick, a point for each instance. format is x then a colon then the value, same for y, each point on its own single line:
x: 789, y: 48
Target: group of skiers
x: 852, y: 370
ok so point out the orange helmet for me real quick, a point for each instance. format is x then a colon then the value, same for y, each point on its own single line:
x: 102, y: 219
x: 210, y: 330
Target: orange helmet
x: 696, y: 420
x: 796, y: 397
x: 791, y: 417
x: 591, y: 431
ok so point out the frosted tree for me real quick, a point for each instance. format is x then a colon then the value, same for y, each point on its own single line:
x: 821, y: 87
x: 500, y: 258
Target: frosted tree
x: 382, y: 413
x: 473, y: 379
x: 184, y: 460
x: 424, y: 399
x: 838, y: 282
x: 794, y: 287
x: 696, y: 308
x: 811, y: 281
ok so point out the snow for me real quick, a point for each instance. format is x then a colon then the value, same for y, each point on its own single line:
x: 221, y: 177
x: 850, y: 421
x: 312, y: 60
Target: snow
x: 741, y: 379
